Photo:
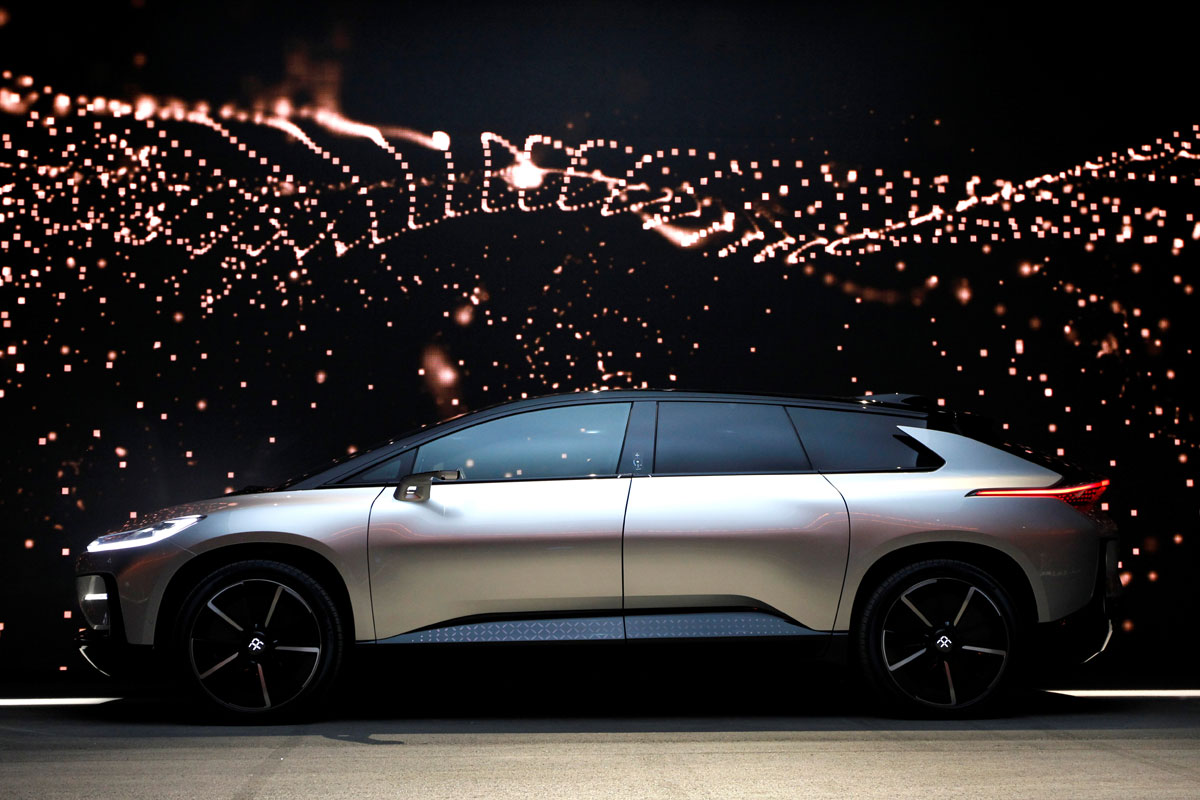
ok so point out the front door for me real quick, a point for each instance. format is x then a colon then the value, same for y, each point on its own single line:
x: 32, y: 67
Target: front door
x: 527, y: 544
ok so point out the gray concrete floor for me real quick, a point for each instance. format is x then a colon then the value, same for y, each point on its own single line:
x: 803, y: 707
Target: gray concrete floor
x: 1045, y: 746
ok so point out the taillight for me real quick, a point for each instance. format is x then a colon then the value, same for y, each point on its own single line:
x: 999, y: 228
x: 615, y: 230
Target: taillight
x: 1082, y: 496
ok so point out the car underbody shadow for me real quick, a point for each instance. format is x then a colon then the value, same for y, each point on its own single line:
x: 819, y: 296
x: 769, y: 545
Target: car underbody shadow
x: 584, y: 687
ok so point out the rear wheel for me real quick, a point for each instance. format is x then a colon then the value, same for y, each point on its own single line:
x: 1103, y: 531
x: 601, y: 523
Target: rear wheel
x: 260, y: 639
x: 938, y: 637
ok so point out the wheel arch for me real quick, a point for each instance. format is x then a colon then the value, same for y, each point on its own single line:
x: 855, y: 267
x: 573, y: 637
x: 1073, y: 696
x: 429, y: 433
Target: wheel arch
x: 195, y: 570
x: 1000, y: 565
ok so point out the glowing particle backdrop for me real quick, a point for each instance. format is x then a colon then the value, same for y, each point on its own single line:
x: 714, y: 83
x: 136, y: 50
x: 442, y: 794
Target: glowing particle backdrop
x: 198, y: 295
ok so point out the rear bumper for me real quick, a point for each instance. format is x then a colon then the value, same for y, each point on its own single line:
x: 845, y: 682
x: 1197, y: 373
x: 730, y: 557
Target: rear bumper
x: 1085, y: 634
x: 1078, y: 637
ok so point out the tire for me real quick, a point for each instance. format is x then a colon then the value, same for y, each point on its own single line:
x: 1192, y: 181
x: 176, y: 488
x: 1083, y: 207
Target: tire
x: 938, y: 637
x: 259, y: 640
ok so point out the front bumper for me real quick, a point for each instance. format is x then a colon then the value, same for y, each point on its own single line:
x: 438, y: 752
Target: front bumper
x: 131, y: 582
x: 99, y: 608
x: 103, y: 643
x: 111, y: 656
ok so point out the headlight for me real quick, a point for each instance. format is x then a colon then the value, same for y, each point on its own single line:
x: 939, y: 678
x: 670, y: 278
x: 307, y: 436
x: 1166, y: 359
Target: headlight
x: 142, y: 536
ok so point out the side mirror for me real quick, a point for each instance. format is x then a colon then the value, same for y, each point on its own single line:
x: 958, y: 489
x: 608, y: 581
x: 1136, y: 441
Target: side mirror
x: 415, y: 488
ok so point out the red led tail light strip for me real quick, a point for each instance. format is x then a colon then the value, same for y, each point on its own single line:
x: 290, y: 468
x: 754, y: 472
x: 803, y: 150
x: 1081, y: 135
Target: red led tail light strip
x: 1080, y: 495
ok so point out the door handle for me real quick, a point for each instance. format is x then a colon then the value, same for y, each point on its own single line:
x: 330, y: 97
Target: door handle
x: 415, y: 488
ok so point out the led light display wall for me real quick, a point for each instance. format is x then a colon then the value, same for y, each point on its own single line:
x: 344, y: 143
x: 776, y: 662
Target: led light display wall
x: 200, y: 293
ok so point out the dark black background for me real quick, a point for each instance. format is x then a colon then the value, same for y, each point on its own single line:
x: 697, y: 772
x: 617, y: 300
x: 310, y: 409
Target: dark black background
x: 1002, y: 92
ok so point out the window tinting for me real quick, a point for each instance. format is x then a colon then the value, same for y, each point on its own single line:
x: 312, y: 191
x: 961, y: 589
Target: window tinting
x: 567, y: 442
x: 708, y: 438
x: 861, y: 441
x: 389, y: 471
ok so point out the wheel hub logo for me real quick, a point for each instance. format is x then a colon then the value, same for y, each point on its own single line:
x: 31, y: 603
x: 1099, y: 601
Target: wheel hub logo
x: 943, y: 642
x: 257, y: 644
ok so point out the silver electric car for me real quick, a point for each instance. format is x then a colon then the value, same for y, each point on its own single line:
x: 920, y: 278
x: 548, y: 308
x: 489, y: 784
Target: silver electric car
x: 880, y: 531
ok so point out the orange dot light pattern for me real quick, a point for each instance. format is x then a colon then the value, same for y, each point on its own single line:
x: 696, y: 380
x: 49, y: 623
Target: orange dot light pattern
x: 210, y: 215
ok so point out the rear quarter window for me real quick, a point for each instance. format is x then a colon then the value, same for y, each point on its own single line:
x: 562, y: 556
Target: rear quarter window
x: 861, y: 441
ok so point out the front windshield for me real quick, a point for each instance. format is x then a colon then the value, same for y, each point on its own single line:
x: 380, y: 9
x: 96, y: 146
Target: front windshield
x: 334, y: 462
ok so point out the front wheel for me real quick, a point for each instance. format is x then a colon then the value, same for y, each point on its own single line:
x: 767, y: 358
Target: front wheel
x: 938, y: 637
x: 260, y: 639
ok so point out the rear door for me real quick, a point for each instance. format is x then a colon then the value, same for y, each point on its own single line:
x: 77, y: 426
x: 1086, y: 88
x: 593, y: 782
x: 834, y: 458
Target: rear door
x: 735, y: 521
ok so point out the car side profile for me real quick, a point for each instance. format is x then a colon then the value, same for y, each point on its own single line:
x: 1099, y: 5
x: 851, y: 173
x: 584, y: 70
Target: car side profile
x: 878, y: 531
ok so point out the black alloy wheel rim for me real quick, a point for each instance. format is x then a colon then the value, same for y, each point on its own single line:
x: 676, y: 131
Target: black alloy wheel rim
x: 945, y: 642
x: 255, y: 645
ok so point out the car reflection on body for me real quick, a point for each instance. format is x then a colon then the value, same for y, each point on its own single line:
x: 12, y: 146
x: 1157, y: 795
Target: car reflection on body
x: 874, y: 530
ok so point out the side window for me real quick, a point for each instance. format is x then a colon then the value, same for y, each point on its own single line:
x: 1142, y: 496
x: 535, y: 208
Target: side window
x: 389, y: 471
x: 861, y: 441
x: 716, y: 438
x: 567, y: 442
